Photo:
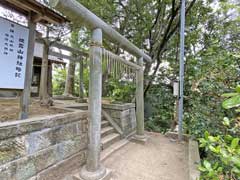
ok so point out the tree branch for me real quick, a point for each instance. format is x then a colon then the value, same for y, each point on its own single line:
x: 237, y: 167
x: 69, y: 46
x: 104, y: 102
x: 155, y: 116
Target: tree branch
x: 167, y: 35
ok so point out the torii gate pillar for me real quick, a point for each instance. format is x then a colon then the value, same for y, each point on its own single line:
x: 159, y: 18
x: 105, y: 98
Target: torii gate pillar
x: 140, y: 135
x: 25, y: 97
x: 93, y: 170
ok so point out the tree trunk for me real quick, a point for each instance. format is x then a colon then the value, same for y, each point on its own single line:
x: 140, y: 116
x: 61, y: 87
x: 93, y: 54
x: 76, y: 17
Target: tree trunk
x: 43, y: 93
x: 49, y: 82
x: 44, y: 73
x: 69, y: 85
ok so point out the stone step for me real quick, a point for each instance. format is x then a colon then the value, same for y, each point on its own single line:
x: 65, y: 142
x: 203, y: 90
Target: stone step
x: 113, y: 148
x: 104, y: 124
x: 106, y: 131
x: 109, y: 140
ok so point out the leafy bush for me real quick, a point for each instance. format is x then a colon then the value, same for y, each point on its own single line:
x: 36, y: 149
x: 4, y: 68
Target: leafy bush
x: 223, y: 151
x: 120, y: 91
x: 59, y: 78
x: 223, y: 160
x: 159, y: 108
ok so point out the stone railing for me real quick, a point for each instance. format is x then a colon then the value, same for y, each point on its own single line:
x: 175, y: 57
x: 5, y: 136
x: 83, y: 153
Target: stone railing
x: 43, y: 148
x: 123, y: 115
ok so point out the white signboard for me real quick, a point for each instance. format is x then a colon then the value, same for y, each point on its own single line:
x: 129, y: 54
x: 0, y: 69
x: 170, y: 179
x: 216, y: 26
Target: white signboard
x: 176, y: 88
x: 13, y: 54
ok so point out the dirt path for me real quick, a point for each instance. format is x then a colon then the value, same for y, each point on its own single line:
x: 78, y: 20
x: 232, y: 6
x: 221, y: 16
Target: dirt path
x: 158, y: 159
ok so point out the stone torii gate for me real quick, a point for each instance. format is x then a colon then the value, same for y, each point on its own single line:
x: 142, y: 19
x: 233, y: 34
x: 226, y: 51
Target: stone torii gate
x: 81, y: 15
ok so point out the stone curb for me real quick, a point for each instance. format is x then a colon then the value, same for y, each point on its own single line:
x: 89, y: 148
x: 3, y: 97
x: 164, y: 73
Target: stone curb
x: 193, y: 160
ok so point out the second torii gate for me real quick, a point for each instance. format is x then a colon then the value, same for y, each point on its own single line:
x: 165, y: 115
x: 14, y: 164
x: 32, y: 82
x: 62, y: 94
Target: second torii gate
x: 79, y: 56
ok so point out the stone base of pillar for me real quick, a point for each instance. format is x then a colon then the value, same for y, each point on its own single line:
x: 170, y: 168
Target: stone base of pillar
x: 81, y: 100
x: 101, y: 174
x: 142, y: 139
x: 47, y: 101
x: 63, y: 97
x: 67, y: 95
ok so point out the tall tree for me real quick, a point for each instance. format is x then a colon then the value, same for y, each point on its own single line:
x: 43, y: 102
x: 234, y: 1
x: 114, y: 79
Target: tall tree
x: 150, y: 28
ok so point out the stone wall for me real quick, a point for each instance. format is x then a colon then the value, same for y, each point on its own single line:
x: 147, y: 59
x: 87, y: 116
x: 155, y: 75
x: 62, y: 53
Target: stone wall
x: 43, y: 148
x: 124, y: 115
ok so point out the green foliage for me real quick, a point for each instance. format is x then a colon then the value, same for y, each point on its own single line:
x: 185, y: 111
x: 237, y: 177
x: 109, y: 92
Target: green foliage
x: 159, y: 108
x: 223, y: 151
x: 120, y: 90
x: 223, y: 157
x: 85, y: 80
x: 59, y: 78
x: 234, y: 99
x: 211, y: 71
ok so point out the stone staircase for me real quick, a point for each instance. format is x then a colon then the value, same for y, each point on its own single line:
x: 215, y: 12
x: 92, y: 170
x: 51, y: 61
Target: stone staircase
x: 110, y: 139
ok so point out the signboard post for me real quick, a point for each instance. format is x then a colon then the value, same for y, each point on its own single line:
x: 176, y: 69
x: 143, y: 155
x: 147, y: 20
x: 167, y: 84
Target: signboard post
x: 25, y: 98
x: 13, y: 54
